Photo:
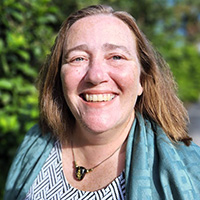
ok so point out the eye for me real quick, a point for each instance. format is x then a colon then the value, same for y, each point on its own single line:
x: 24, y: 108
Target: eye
x: 78, y: 59
x: 116, y: 57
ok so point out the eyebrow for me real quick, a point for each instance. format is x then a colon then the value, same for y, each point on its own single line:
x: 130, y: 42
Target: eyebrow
x: 106, y: 47
x: 110, y: 47
x: 82, y: 47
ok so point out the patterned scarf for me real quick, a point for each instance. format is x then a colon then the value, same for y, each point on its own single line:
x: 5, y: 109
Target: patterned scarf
x: 156, y: 168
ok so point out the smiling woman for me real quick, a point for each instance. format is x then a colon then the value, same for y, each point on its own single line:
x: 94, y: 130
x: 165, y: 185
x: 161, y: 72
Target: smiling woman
x: 111, y: 124
x: 100, y: 41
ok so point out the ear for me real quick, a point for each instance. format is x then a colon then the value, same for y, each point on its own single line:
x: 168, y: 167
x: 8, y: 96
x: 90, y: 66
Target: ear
x: 140, y: 89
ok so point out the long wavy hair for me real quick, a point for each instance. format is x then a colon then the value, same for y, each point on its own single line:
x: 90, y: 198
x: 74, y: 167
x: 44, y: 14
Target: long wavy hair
x: 158, y: 103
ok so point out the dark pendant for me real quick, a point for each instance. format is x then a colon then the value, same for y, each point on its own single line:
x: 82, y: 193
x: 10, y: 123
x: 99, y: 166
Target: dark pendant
x: 80, y: 172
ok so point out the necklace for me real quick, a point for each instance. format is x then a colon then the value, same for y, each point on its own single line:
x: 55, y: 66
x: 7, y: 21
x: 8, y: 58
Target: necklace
x: 81, y: 171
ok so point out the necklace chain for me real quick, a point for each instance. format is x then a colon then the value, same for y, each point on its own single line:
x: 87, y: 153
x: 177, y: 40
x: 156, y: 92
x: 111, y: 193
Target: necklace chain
x: 81, y: 171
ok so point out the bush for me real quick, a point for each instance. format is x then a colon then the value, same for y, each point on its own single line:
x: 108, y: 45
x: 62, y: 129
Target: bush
x: 25, y: 39
x: 183, y: 59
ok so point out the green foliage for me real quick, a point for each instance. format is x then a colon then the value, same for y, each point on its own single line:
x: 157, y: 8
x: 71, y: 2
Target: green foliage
x: 25, y: 38
x: 183, y: 59
x: 28, y: 29
x: 187, y: 72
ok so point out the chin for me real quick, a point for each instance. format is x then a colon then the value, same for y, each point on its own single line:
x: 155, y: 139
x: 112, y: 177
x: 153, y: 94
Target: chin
x: 98, y: 129
x: 99, y: 126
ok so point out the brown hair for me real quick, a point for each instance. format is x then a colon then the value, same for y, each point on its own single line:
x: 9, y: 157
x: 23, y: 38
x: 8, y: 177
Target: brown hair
x: 158, y: 103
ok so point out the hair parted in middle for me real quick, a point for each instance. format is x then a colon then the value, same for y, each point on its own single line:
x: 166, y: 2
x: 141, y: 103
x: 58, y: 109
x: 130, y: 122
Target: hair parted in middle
x: 158, y: 103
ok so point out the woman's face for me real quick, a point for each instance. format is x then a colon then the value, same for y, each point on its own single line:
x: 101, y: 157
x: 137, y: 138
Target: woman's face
x: 101, y: 73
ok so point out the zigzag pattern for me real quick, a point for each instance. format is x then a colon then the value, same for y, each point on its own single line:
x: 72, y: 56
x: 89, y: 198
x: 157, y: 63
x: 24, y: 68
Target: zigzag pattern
x: 51, y: 184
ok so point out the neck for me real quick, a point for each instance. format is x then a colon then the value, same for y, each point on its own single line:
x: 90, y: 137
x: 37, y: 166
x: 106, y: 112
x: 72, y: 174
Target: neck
x: 84, y: 137
x: 92, y: 147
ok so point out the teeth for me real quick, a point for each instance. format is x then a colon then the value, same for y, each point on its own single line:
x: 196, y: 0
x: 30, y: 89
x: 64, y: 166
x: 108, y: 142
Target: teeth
x: 99, y: 97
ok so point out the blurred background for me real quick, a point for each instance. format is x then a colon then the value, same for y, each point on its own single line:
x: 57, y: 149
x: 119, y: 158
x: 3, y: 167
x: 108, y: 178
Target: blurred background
x: 28, y: 29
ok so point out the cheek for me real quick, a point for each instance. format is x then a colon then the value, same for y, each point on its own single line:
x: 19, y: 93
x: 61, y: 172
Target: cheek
x: 70, y: 79
x: 68, y: 83
x: 65, y: 80
x: 129, y: 80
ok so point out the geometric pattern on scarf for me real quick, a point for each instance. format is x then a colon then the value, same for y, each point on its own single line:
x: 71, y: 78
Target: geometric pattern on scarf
x: 50, y: 184
x: 159, y: 169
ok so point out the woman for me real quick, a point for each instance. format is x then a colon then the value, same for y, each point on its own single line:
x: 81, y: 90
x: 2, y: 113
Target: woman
x: 114, y: 127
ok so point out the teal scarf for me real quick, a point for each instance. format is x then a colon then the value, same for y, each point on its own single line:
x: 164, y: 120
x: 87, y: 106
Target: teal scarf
x: 156, y: 168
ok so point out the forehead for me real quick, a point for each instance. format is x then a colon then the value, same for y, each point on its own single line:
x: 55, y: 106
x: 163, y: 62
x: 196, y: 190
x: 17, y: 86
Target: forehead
x: 99, y: 20
x: 101, y: 28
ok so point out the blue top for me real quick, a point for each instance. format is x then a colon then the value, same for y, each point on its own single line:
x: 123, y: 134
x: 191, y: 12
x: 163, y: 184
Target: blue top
x: 156, y: 168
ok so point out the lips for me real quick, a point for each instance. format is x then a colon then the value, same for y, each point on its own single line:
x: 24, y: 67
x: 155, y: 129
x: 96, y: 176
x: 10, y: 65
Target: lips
x: 98, y: 97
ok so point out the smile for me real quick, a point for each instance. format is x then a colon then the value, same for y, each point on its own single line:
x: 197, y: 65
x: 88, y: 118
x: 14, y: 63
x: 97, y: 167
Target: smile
x: 98, y: 97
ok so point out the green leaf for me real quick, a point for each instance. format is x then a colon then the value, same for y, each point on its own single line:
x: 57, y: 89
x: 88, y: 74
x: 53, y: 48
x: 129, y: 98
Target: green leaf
x: 5, y: 84
x: 24, y: 54
x: 1, y: 46
x: 18, y: 16
x: 16, y: 40
x: 9, y: 123
x: 5, y: 98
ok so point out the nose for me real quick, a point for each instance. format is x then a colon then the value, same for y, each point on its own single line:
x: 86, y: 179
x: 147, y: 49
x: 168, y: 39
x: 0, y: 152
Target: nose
x: 97, y: 72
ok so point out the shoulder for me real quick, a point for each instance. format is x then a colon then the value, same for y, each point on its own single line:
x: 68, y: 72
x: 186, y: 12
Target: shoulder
x: 33, y: 146
x: 189, y: 154
x: 27, y: 163
x: 35, y: 135
x: 35, y: 141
